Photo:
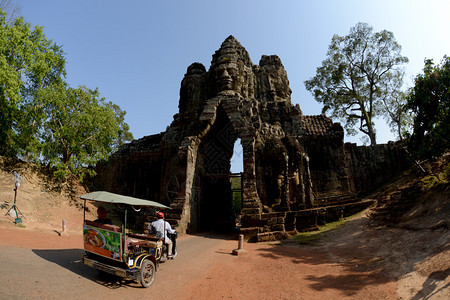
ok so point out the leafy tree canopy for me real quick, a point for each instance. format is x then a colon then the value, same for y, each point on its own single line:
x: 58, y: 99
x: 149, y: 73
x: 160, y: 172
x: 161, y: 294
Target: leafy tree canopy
x: 28, y: 61
x: 41, y: 117
x: 80, y: 128
x: 353, y: 81
x: 430, y: 102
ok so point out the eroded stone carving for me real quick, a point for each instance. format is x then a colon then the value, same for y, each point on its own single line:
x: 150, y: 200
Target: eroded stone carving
x: 292, y: 162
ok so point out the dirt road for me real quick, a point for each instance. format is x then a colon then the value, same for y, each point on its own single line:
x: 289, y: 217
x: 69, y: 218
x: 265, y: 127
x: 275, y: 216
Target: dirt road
x: 59, y: 274
x: 355, y: 262
x: 38, y: 265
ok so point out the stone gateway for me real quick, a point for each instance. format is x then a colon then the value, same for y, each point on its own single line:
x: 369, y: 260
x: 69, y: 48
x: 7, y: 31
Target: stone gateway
x: 297, y: 171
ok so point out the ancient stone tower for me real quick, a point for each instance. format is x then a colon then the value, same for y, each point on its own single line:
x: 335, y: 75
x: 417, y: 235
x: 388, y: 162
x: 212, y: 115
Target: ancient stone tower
x: 293, y: 164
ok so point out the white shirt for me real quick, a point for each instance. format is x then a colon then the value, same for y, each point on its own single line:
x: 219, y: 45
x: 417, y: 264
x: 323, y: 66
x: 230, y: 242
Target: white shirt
x: 162, y: 228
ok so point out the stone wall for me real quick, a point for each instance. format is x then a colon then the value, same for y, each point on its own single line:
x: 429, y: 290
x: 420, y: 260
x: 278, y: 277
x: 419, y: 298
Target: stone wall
x: 125, y: 174
x: 274, y: 226
x: 371, y: 166
x: 297, y: 170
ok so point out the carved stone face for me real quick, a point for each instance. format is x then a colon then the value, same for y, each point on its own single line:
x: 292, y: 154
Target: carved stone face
x: 274, y: 84
x: 227, y: 77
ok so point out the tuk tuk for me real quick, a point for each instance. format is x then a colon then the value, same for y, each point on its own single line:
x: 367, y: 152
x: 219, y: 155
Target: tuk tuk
x: 114, y: 248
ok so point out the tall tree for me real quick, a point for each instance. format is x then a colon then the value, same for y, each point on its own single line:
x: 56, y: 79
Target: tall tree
x: 41, y: 117
x: 395, y: 106
x: 28, y: 62
x: 80, y: 130
x: 352, y: 80
x: 430, y: 102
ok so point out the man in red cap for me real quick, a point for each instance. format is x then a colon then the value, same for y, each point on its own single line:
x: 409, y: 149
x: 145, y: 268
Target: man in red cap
x: 161, y: 228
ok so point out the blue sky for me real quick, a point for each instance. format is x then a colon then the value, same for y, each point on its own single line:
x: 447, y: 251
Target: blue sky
x: 137, y: 52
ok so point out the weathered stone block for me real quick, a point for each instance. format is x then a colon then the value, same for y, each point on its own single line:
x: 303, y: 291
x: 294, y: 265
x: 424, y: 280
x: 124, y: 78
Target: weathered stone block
x: 306, y: 220
x: 266, y: 237
x: 250, y: 211
x: 280, y: 235
x: 251, y: 220
x: 289, y: 221
x: 291, y: 233
x: 271, y: 221
x: 249, y: 232
x: 271, y: 215
x: 277, y: 227
x: 271, y: 236
x: 250, y: 204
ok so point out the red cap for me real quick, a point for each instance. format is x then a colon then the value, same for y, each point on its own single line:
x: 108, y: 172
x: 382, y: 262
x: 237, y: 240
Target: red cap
x: 160, y: 215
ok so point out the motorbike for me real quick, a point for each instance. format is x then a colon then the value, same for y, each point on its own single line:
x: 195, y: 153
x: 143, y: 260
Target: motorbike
x: 115, y: 248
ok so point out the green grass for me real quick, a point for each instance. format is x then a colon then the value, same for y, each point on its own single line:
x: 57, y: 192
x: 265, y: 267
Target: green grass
x: 313, y: 237
x: 236, y: 182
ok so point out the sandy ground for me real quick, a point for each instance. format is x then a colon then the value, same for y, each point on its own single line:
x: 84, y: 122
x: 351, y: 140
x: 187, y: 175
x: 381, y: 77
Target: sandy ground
x: 204, y: 269
x: 354, y: 262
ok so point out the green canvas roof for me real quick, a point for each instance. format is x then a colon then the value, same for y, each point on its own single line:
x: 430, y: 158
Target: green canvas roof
x: 108, y: 197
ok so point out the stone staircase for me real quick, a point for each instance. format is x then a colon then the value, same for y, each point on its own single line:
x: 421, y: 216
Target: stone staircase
x: 275, y: 226
x: 392, y: 207
x: 330, y: 200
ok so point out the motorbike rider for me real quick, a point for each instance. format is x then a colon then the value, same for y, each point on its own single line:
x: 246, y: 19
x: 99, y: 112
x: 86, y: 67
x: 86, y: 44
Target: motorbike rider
x: 162, y: 230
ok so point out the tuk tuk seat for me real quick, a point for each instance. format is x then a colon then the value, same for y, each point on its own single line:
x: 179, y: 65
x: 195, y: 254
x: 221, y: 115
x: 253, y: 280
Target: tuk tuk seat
x: 134, y: 242
x: 109, y: 227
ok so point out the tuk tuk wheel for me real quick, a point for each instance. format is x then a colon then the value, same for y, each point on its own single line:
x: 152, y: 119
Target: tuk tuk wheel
x: 147, y: 273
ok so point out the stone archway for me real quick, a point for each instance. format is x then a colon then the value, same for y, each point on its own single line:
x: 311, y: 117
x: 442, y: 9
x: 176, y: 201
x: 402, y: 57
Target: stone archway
x: 213, y: 206
x: 286, y: 155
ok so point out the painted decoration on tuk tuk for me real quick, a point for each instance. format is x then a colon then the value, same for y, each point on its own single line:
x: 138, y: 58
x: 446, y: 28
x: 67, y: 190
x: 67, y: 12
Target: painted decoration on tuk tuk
x: 102, y: 242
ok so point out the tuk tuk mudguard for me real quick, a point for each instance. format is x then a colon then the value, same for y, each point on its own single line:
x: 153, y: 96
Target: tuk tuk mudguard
x: 140, y: 259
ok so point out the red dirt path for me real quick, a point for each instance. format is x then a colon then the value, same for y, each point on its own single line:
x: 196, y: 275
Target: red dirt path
x: 265, y: 271
x: 355, y: 262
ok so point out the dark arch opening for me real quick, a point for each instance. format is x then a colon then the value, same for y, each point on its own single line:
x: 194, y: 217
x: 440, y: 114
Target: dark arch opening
x: 214, y: 203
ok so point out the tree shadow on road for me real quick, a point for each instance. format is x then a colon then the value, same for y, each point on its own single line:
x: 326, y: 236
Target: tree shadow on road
x: 367, y: 256
x: 349, y: 283
x: 70, y: 259
x: 215, y: 235
x: 297, y: 255
x: 432, y: 285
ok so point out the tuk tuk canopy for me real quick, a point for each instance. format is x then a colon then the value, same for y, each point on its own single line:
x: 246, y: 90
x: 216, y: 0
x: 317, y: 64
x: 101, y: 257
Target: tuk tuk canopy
x: 108, y: 197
